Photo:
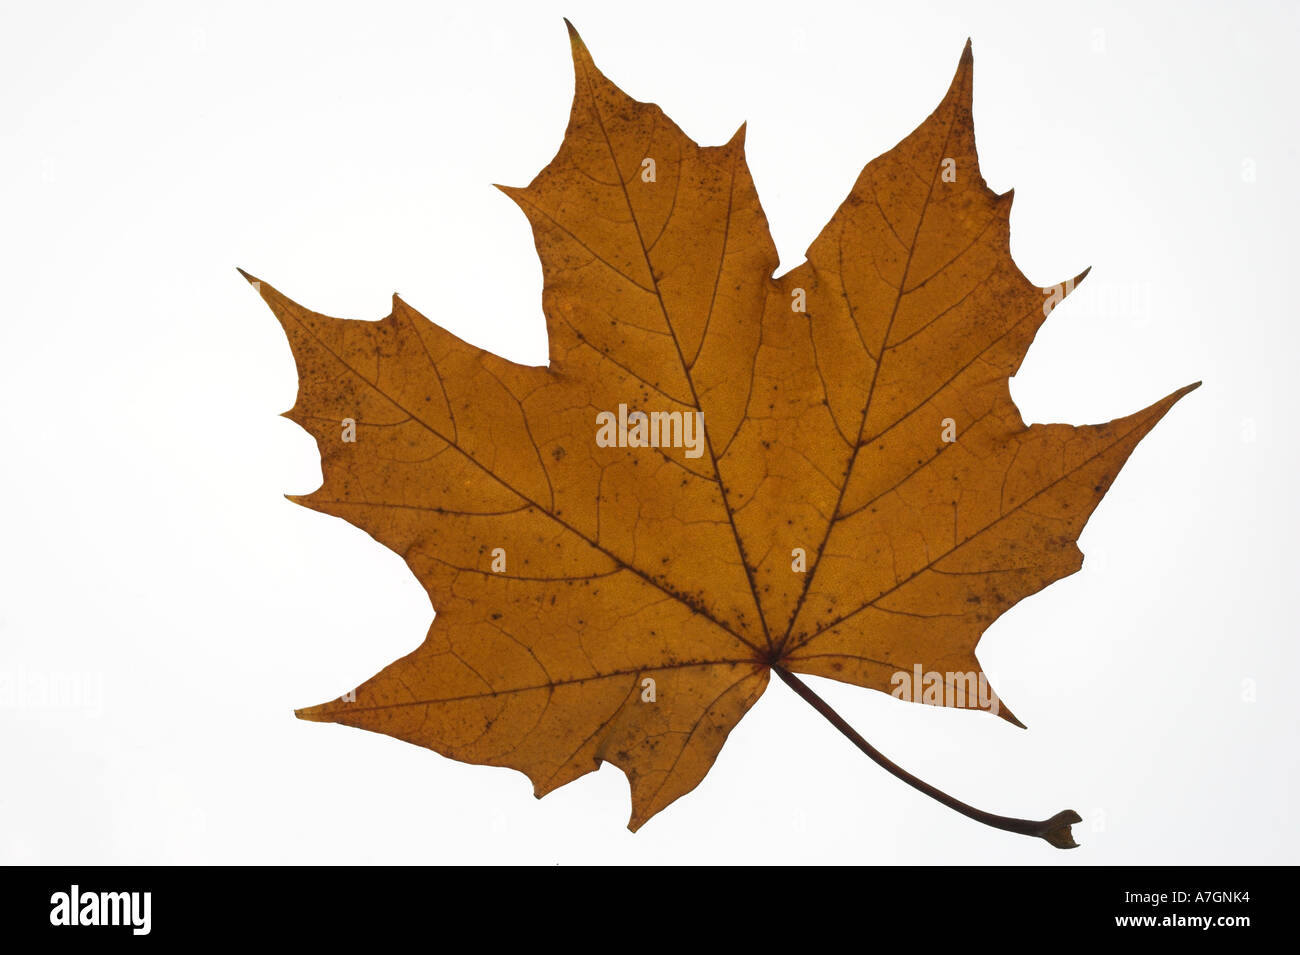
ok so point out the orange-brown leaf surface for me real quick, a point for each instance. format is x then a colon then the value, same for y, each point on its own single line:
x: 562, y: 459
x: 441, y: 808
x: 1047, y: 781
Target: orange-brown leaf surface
x: 856, y: 408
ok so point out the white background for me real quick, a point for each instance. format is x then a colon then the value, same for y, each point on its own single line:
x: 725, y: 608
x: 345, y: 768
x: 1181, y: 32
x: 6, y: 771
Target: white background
x: 344, y: 151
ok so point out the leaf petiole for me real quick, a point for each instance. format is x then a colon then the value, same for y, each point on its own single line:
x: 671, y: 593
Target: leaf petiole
x: 1055, y: 830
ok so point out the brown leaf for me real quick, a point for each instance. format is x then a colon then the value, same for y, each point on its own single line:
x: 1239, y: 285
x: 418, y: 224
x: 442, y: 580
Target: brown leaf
x: 828, y: 429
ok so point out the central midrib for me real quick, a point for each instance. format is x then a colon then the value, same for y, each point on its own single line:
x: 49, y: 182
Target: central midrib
x: 672, y: 334
x: 871, y: 390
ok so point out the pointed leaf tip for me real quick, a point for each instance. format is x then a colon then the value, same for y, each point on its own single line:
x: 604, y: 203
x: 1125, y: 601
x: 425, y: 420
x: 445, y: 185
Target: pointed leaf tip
x: 575, y: 40
x: 584, y: 64
x: 1011, y: 718
x: 961, y: 83
x: 967, y: 58
x: 517, y: 194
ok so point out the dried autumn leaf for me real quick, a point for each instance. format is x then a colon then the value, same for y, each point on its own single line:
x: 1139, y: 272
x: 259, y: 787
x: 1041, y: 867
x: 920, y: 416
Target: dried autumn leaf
x: 629, y: 603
